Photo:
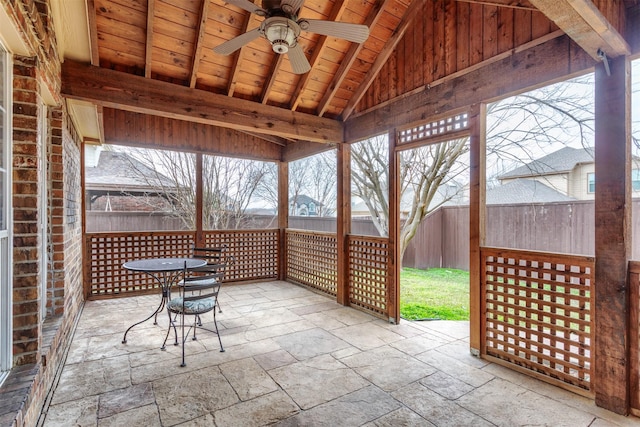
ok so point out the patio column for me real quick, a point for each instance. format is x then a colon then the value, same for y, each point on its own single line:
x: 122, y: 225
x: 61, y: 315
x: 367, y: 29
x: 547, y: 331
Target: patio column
x: 343, y: 226
x: 199, y: 201
x: 612, y: 236
x: 283, y: 216
x: 477, y: 184
x: 395, y: 263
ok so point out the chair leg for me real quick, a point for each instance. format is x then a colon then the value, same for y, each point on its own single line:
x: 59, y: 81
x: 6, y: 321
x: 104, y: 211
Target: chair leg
x: 171, y: 324
x: 183, y: 364
x: 215, y: 323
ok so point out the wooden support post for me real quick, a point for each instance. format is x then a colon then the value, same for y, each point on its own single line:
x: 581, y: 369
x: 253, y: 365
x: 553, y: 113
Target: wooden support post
x: 612, y: 236
x: 283, y: 217
x: 477, y: 180
x: 199, y: 201
x: 395, y: 264
x: 343, y: 225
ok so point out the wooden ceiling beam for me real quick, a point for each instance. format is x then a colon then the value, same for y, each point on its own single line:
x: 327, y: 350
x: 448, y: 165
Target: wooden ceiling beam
x: 586, y: 25
x: 110, y: 88
x: 197, y: 52
x: 414, y: 9
x: 347, y: 62
x: 148, y: 49
x: 336, y: 12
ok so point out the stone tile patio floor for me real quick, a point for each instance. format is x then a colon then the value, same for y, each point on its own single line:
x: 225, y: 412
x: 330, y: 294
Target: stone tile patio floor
x: 294, y: 357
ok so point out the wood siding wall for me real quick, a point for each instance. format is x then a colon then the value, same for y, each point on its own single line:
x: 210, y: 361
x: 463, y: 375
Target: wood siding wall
x: 144, y: 130
x: 451, y: 36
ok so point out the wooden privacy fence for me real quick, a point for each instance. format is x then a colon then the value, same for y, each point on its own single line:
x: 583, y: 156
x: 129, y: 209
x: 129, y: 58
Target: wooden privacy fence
x: 538, y: 317
x: 255, y: 252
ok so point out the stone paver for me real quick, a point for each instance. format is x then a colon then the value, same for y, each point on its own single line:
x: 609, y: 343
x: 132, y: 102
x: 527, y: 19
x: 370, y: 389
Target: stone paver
x: 314, y: 342
x: 317, y: 380
x: 353, y: 409
x: 248, y: 379
x: 294, y: 357
x: 388, y: 368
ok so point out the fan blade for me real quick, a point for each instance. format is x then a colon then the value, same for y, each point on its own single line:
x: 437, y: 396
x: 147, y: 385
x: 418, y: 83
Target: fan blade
x: 228, y: 47
x: 291, y: 6
x: 299, y: 62
x: 249, y: 6
x: 353, y: 32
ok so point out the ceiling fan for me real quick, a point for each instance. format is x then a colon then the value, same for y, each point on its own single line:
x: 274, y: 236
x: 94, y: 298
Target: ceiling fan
x: 282, y: 27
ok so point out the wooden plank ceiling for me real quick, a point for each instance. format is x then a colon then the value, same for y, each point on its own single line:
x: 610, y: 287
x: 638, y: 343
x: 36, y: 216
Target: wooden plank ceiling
x: 412, y: 44
x: 173, y: 40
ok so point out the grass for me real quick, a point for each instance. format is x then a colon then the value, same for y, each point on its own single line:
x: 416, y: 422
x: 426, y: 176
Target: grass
x: 436, y: 293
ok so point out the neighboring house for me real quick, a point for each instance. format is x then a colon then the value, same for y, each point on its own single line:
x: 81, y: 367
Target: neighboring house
x: 303, y: 205
x: 569, y: 171
x: 522, y: 190
x: 116, y: 181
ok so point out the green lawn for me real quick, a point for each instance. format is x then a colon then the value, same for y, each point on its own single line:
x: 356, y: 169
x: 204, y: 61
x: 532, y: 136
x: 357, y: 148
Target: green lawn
x: 436, y: 293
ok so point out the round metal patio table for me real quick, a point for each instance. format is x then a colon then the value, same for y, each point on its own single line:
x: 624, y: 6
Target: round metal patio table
x: 167, y: 272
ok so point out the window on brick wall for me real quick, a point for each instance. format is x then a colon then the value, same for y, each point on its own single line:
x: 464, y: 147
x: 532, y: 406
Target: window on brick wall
x: 5, y: 214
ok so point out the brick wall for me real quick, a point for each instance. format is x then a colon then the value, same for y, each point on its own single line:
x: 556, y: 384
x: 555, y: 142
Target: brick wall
x: 26, y: 253
x: 39, y: 345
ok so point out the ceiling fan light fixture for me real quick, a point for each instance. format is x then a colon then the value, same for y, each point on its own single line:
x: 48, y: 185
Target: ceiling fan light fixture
x: 281, y: 32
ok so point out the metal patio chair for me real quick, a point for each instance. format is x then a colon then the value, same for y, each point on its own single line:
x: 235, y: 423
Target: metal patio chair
x: 199, y: 296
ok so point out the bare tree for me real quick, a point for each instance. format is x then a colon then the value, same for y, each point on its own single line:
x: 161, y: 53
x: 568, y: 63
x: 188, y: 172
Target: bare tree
x: 424, y: 173
x: 320, y: 182
x: 519, y: 129
x: 228, y: 185
x: 313, y: 176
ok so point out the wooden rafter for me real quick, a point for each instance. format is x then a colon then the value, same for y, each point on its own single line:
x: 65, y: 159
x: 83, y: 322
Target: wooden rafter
x: 271, y: 138
x: 347, y: 62
x: 197, y: 52
x: 149, y: 44
x: 128, y: 92
x: 237, y: 57
x: 336, y: 12
x: 414, y: 10
x: 93, y: 32
x: 275, y: 65
x: 515, y: 4
x: 584, y: 23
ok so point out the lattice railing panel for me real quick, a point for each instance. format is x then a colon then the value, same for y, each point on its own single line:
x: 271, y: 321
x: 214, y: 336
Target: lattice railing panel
x: 312, y: 259
x: 538, y: 312
x: 368, y: 273
x: 106, y: 252
x: 255, y: 252
x: 432, y: 129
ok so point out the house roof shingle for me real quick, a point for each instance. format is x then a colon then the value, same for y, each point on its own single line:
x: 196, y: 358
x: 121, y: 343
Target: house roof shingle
x: 524, y: 191
x: 563, y: 160
x: 119, y: 171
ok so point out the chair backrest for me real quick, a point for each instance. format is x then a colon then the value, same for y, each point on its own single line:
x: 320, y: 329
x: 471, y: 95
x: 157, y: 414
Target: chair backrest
x: 216, y: 257
x: 200, y: 286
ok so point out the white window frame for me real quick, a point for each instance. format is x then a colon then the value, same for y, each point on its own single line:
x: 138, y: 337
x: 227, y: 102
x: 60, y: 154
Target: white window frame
x: 6, y: 235
x: 591, y: 176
